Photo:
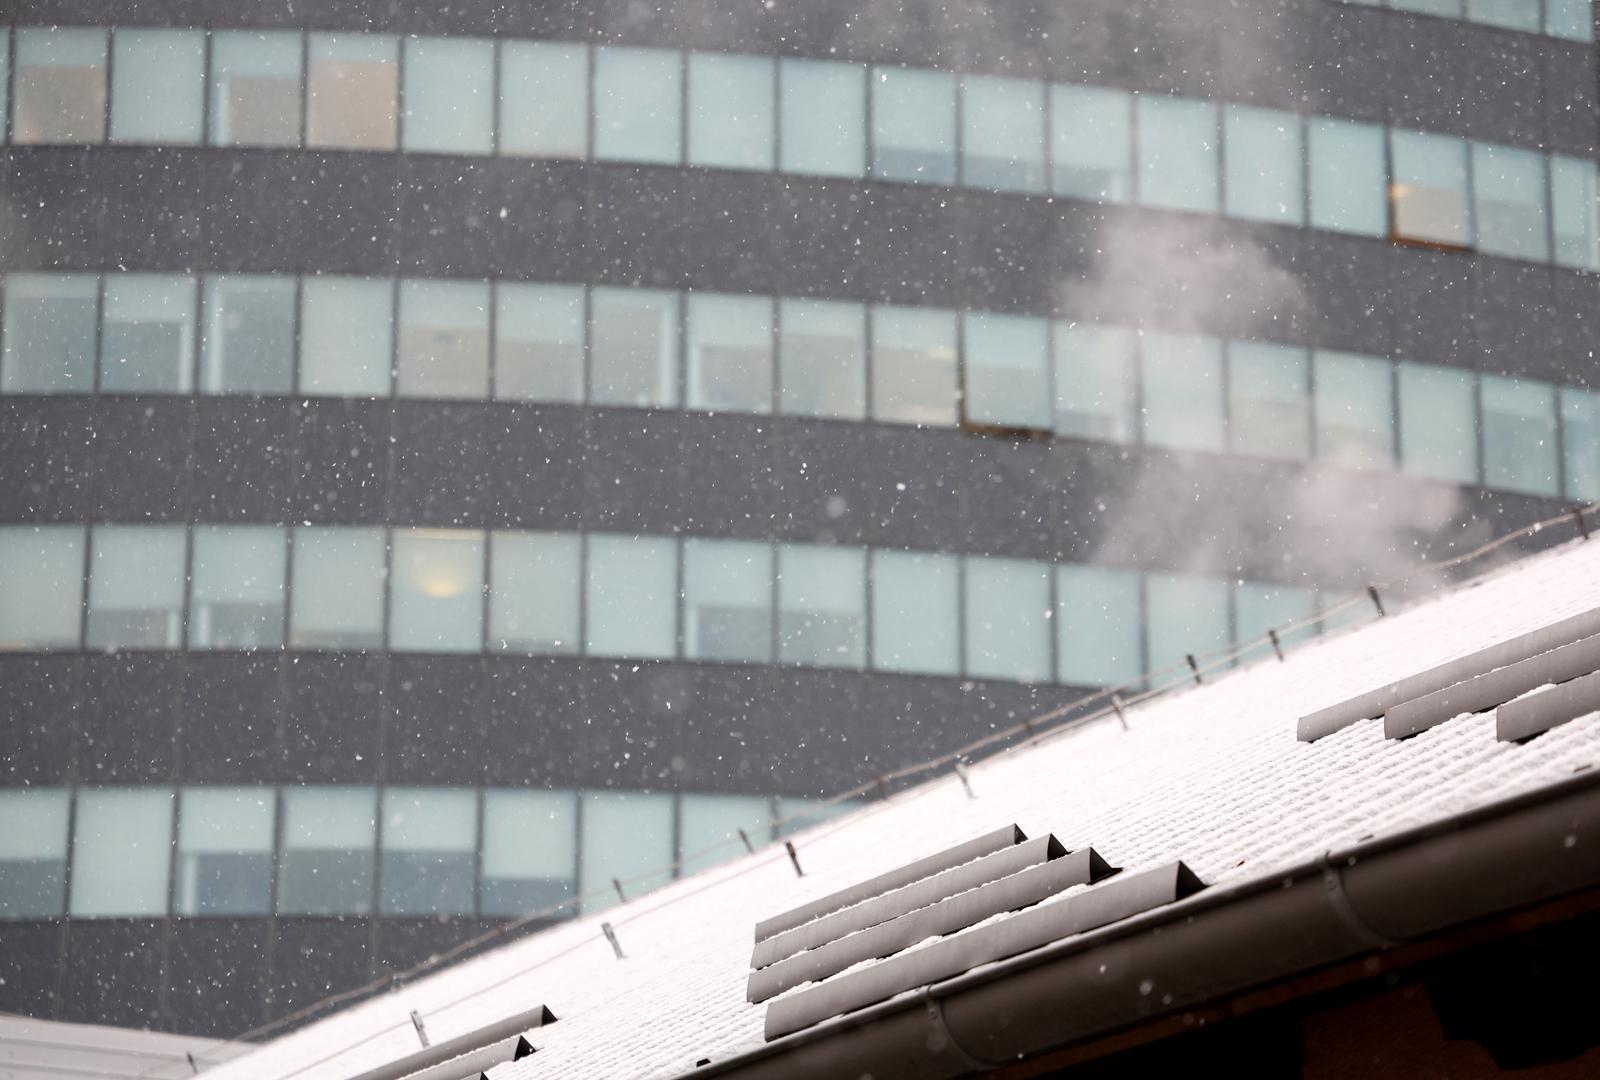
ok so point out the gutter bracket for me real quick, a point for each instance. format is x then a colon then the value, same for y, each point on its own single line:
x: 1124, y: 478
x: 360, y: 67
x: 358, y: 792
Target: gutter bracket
x: 1339, y: 900
x: 945, y: 1039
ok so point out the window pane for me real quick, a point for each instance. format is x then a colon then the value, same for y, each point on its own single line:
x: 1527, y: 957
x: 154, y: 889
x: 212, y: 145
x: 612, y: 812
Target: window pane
x: 1430, y: 188
x: 1186, y: 615
x: 533, y: 595
x: 158, y: 80
x: 1178, y: 153
x: 1571, y: 19
x: 225, y: 851
x: 730, y: 111
x: 1097, y: 626
x: 147, y: 343
x: 49, y: 333
x: 709, y: 827
x: 338, y: 588
x: 1438, y: 429
x: 1002, y: 133
x: 626, y: 834
x: 544, y: 99
x: 1575, y: 199
x: 41, y: 586
x: 1519, y: 435
x: 237, y: 594
x: 353, y: 89
x: 5, y: 89
x: 33, y: 852
x: 430, y: 839
x: 916, y: 612
x: 1261, y: 607
x: 1580, y: 433
x: 823, y: 113
x: 60, y: 86
x: 247, y: 336
x: 914, y: 125
x: 136, y: 587
x: 1513, y: 14
x: 346, y: 336
x: 1183, y: 391
x: 437, y: 601
x: 1008, y: 619
x: 822, y: 599
x: 1094, y: 382
x: 444, y: 339
x: 255, y: 88
x: 1354, y: 402
x: 727, y: 588
x: 822, y: 369
x: 326, y: 864
x: 1450, y: 9
x: 638, y: 100
x: 1265, y: 167
x: 538, y: 348
x: 1348, y: 177
x: 914, y: 365
x: 633, y: 350
x: 730, y: 353
x: 449, y: 95
x: 530, y: 851
x: 121, y: 848
x: 1510, y: 189
x: 1091, y: 143
x: 1007, y: 366
x: 1268, y: 407
x: 633, y: 590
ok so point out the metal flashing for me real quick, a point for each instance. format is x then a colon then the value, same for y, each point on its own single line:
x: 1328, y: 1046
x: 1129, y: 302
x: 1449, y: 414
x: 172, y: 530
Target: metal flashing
x: 1484, y: 691
x: 470, y: 1054
x: 1521, y: 720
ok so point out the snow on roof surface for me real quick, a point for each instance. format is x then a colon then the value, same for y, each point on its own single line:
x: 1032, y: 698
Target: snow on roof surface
x: 1213, y: 776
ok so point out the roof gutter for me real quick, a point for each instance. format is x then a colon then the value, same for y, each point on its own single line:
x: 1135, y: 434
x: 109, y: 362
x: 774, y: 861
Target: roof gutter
x: 1372, y: 896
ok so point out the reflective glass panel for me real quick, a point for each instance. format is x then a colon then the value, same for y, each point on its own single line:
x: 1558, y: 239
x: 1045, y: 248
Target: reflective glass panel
x: 1007, y: 371
x: 914, y: 125
x: 449, y: 95
x: 1520, y: 448
x: 535, y: 580
x: 158, y: 85
x: 430, y: 840
x: 1349, y: 178
x: 1269, y: 411
x: 727, y: 589
x: 1354, y: 402
x: 1438, y: 423
x: 247, y: 336
x: 709, y: 827
x: 627, y: 838
x: 914, y: 365
x: 236, y: 590
x: 916, y: 612
x: 354, y: 90
x: 338, y: 588
x: 33, y: 852
x: 1095, y: 392
x: 255, y: 88
x: 1580, y: 436
x: 1178, y: 153
x: 1511, y: 209
x: 325, y: 867
x: 136, y: 587
x: 823, y: 116
x: 147, y: 341
x: 121, y: 850
x: 60, y: 91
x: 822, y: 601
x: 632, y: 596
x: 1097, y: 626
x: 1575, y: 201
x: 444, y: 339
x: 49, y: 333
x: 1513, y: 14
x: 1429, y: 192
x: 730, y: 111
x: 1008, y: 619
x: 822, y: 359
x: 1183, y: 391
x: 41, y: 586
x: 1261, y: 606
x: 346, y: 336
x: 538, y: 347
x: 436, y: 602
x: 730, y: 353
x: 1185, y: 615
x: 1002, y: 133
x: 633, y: 347
x: 638, y: 105
x: 544, y: 99
x: 1091, y: 143
x: 530, y: 851
x: 1264, y: 179
x: 225, y: 847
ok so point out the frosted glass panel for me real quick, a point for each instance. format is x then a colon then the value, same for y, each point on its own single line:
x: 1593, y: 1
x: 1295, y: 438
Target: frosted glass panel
x: 436, y: 604
x: 632, y: 596
x: 533, y: 594
x: 1002, y: 133
x: 544, y: 99
x: 822, y: 367
x: 1511, y: 208
x: 530, y: 851
x: 353, y: 89
x: 1575, y: 205
x: 338, y: 588
x: 225, y: 851
x: 626, y: 835
x: 121, y: 849
x: 1349, y: 179
x: 1520, y: 446
x: 709, y: 827
x: 727, y: 587
x: 1178, y: 153
x: 236, y: 590
x: 49, y: 333
x: 916, y: 612
x: 822, y: 599
x: 913, y: 125
x: 1438, y: 428
x: 1354, y: 401
x: 60, y: 86
x: 1008, y: 619
x: 1269, y: 410
x: 823, y: 114
x: 730, y: 111
x: 429, y: 848
x: 247, y: 337
x: 255, y: 88
x: 1095, y: 393
x: 914, y: 366
x: 638, y: 105
x: 1007, y: 371
x: 1097, y: 626
x: 444, y: 339
x: 449, y: 95
x: 730, y: 353
x: 1260, y: 606
x: 1265, y: 169
x: 158, y: 86
x: 1183, y: 394
x: 325, y: 867
x: 1091, y: 143
x: 633, y: 349
x: 136, y: 587
x: 538, y: 342
x: 346, y: 336
x: 1580, y: 438
x: 147, y: 342
x: 1184, y: 615
x: 41, y: 586
x: 33, y: 852
x: 1429, y: 193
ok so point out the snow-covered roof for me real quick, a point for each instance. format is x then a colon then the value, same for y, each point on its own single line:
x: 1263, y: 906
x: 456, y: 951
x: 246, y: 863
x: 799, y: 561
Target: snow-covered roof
x: 33, y: 1049
x: 1214, y: 776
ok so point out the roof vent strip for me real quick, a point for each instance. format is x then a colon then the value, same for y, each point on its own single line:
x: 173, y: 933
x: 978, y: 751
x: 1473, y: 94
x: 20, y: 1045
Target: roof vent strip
x: 1485, y: 691
x: 1521, y: 720
x: 470, y: 1054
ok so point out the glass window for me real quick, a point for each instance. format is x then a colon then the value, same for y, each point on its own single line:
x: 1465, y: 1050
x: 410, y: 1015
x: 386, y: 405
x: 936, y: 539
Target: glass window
x: 544, y: 99
x: 49, y: 333
x: 1438, y: 429
x: 1580, y: 435
x: 1183, y: 391
x: 1091, y: 143
x: 1571, y: 19
x: 796, y: 815
x: 1095, y: 393
x: 1268, y: 408
x: 158, y: 85
x: 627, y: 835
x: 538, y: 346
x: 1097, y: 626
x: 535, y: 579
x: 730, y: 353
x: 1008, y: 619
x: 730, y: 110
x: 1512, y: 14
x: 1348, y: 177
x: 354, y: 90
x: 709, y: 827
x: 1264, y: 180
x: 822, y: 365
x: 632, y: 596
x: 638, y: 99
x: 5, y: 83
x: 60, y: 86
x: 325, y: 867
x: 121, y: 849
x: 430, y: 840
x: 1429, y: 192
x: 436, y: 604
x: 727, y: 588
x: 1187, y: 615
x: 1002, y: 133
x: 914, y: 125
x: 236, y: 590
x: 33, y: 852
x: 1450, y: 9
x: 822, y: 600
x: 444, y: 339
x: 1575, y: 200
x: 247, y: 337
x: 1260, y: 607
x: 136, y: 587
x: 225, y: 851
x: 1178, y: 153
x: 41, y: 586
x: 346, y: 336
x: 1354, y: 402
x: 147, y: 342
x: 633, y: 347
x: 530, y: 851
x: 1519, y: 435
x: 449, y: 95
x: 914, y: 365
x: 1509, y: 186
x: 916, y: 612
x: 823, y: 114
x: 1006, y: 362
x: 338, y: 588
x: 255, y: 88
